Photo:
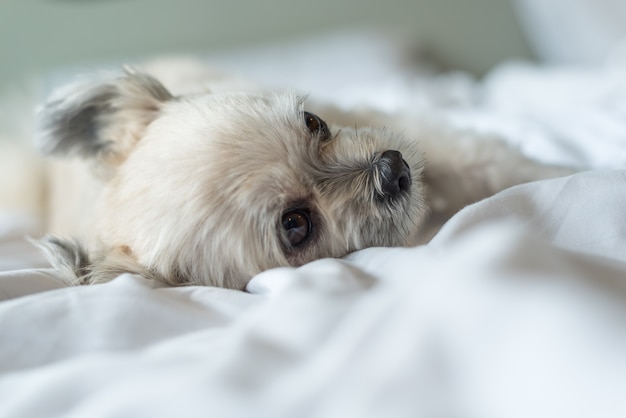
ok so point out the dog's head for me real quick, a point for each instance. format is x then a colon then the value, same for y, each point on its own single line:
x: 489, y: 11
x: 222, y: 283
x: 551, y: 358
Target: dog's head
x: 215, y: 188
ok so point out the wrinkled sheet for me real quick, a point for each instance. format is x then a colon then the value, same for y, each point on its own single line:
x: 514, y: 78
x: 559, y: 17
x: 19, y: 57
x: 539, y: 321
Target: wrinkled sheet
x: 516, y: 308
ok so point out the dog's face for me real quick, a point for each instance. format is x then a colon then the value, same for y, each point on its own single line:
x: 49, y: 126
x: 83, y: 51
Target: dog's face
x: 215, y: 188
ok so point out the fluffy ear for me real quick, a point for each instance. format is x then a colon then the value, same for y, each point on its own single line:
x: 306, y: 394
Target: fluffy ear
x: 100, y: 119
x: 74, y: 264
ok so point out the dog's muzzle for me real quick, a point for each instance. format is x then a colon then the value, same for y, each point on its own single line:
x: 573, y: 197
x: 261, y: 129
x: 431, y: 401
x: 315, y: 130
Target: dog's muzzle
x: 395, y: 174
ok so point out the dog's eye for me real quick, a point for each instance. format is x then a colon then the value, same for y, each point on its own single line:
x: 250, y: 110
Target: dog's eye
x: 317, y: 126
x: 297, y: 226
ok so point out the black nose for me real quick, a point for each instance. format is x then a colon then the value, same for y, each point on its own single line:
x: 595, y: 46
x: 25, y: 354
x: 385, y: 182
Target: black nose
x: 395, y: 174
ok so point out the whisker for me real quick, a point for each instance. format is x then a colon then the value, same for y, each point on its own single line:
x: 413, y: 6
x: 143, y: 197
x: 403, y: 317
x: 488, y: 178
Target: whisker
x: 337, y: 134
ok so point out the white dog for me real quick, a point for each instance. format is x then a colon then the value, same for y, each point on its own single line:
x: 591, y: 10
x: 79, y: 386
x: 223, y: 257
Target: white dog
x: 213, y: 187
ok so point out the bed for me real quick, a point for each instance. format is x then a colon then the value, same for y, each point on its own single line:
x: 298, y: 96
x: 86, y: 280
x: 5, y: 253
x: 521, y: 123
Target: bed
x: 516, y: 307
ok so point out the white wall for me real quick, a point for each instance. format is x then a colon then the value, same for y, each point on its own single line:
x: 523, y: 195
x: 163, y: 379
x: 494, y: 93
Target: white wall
x: 37, y: 35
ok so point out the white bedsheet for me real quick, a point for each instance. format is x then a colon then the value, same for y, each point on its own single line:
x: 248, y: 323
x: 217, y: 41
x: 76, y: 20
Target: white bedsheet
x: 517, y: 307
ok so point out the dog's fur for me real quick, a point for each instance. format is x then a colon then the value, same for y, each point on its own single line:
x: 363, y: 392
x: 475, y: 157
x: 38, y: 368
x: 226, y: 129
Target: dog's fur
x: 214, y: 187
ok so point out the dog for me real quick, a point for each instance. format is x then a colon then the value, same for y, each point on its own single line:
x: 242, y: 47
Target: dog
x: 211, y: 187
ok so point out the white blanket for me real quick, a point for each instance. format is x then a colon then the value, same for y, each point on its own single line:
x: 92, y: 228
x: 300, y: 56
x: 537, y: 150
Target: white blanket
x: 517, y: 308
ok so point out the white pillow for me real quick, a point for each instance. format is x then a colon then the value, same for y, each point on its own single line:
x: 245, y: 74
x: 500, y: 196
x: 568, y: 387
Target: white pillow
x: 582, y: 32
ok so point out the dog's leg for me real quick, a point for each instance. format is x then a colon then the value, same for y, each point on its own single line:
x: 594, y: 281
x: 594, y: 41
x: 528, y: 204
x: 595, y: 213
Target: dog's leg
x: 462, y: 169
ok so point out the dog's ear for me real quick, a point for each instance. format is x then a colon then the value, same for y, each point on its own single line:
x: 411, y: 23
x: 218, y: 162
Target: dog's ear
x: 100, y: 119
x: 74, y: 264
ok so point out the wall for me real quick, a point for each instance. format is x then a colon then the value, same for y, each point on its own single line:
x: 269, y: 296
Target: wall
x: 37, y: 35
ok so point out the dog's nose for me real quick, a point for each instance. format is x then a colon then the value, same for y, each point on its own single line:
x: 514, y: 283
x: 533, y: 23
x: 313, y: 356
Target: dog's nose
x: 395, y: 174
